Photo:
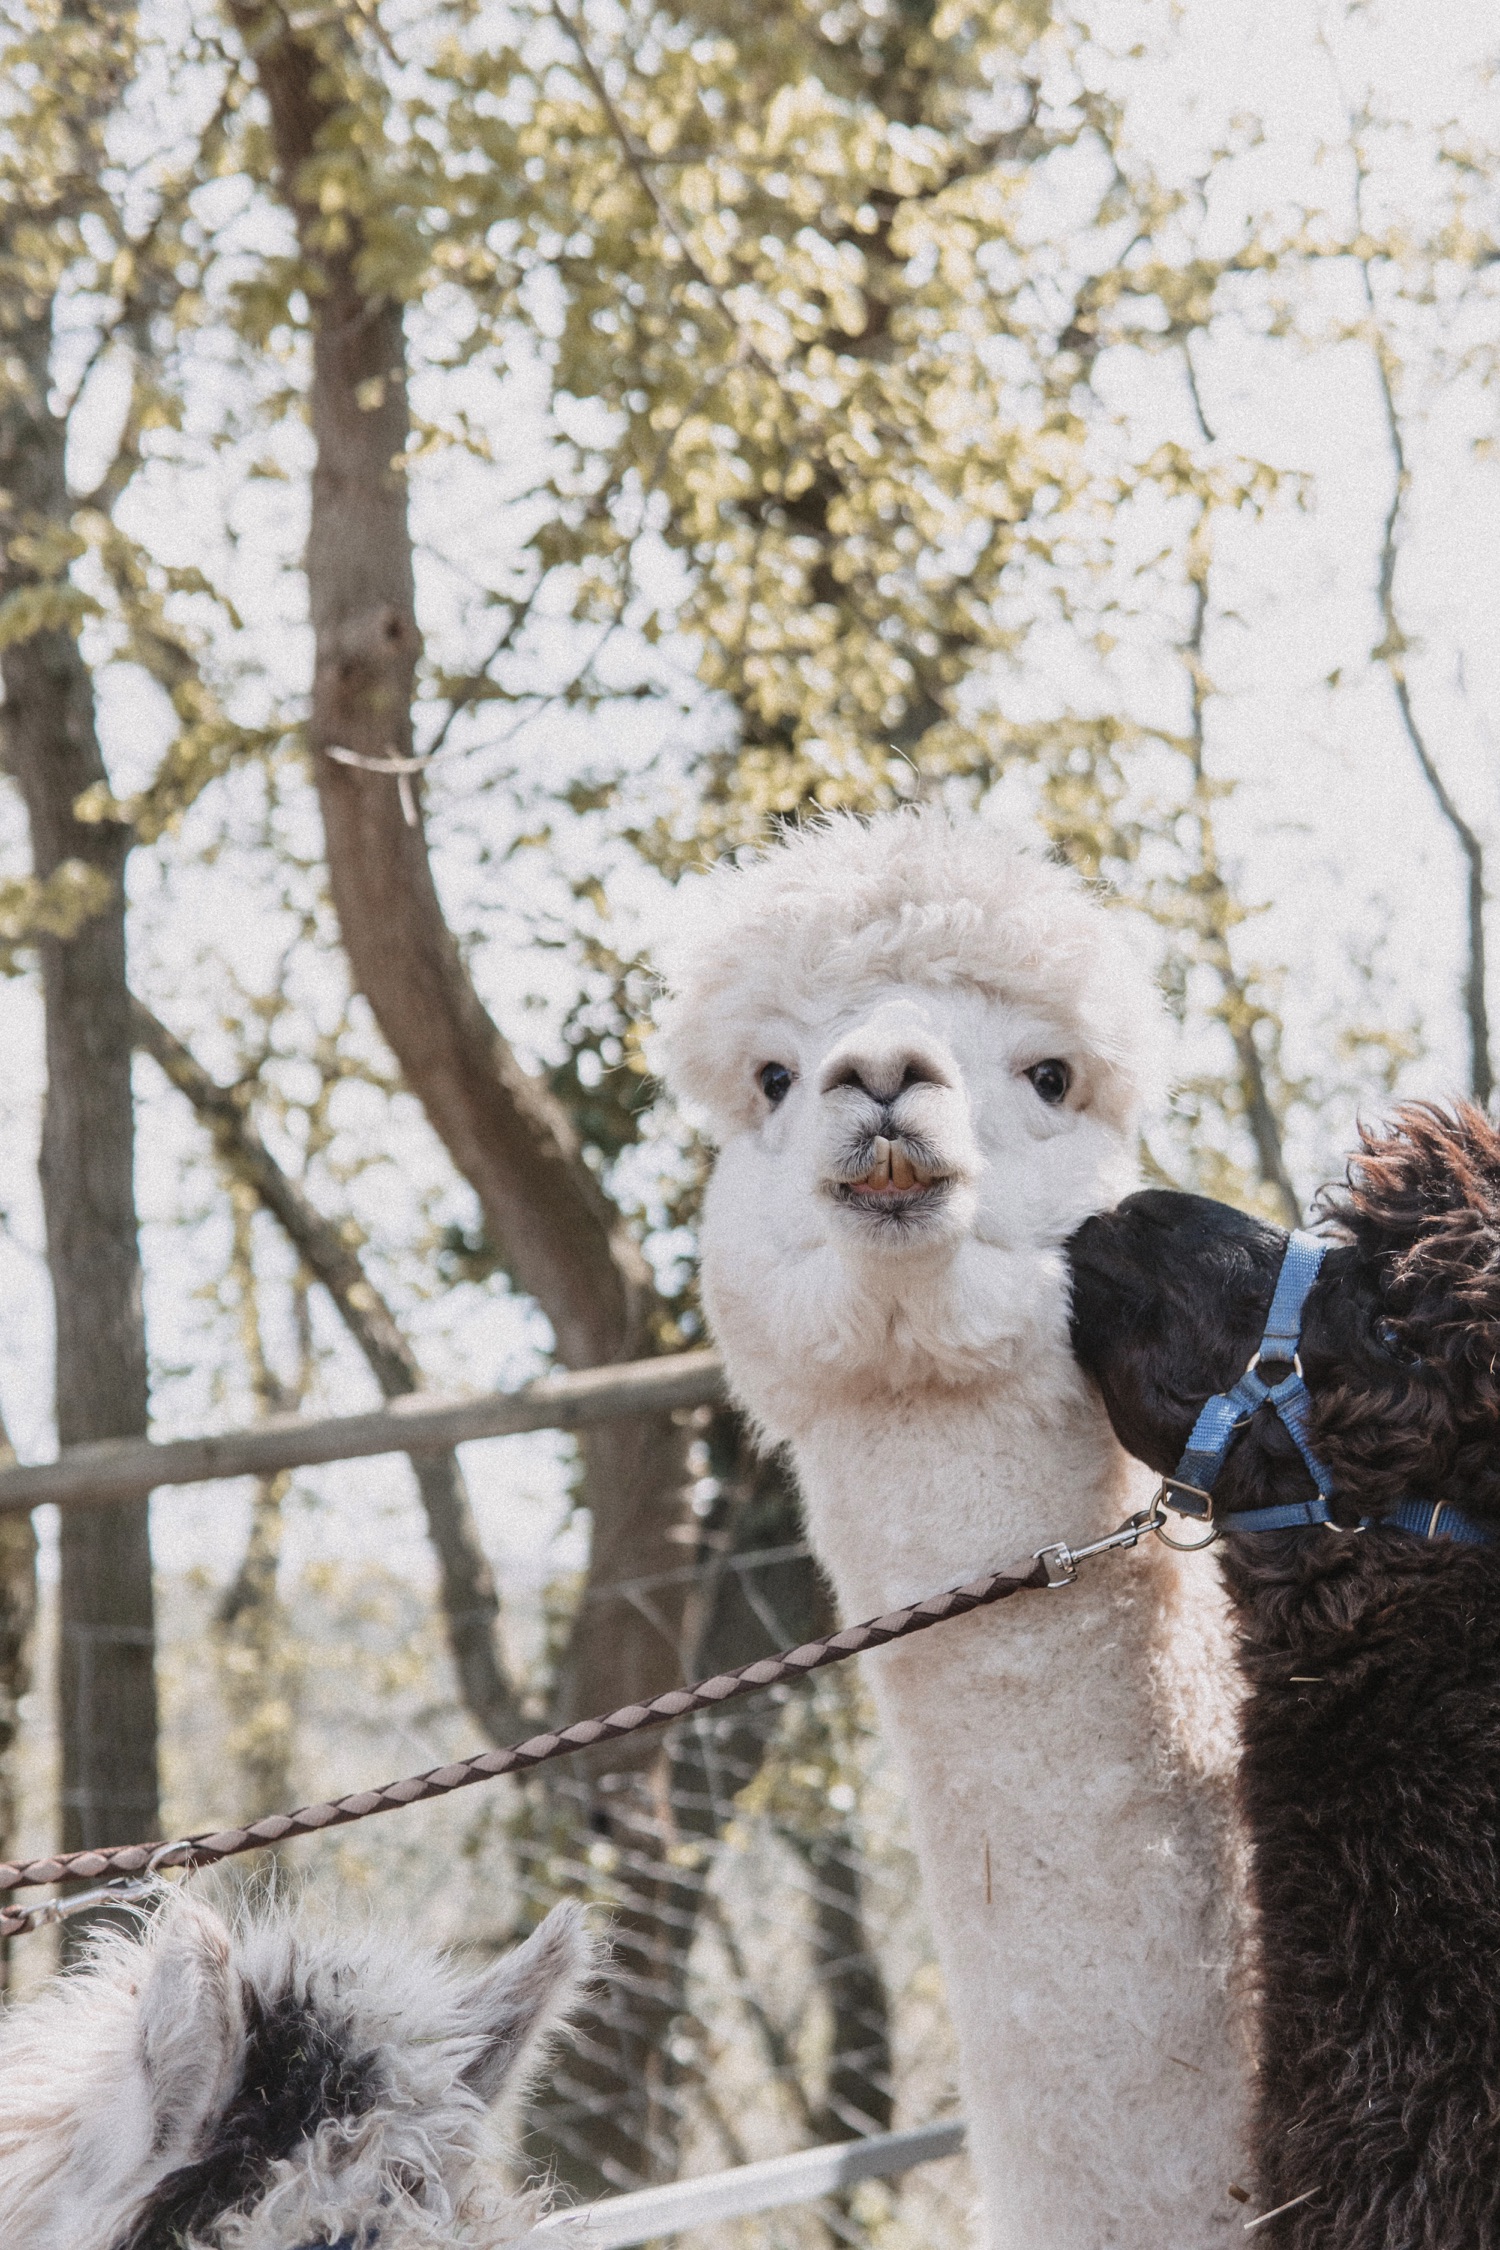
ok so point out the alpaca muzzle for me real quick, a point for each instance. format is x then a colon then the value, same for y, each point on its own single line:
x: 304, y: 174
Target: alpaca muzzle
x: 894, y: 1165
x: 892, y: 1173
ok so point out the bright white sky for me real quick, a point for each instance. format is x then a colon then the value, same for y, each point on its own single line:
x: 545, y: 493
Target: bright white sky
x: 1329, y: 823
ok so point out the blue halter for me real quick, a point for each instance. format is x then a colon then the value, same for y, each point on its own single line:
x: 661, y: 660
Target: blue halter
x: 1189, y: 1492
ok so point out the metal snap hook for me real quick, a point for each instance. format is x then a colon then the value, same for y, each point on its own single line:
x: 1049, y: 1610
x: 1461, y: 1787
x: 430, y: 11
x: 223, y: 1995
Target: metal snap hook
x: 123, y: 1890
x: 1060, y: 1561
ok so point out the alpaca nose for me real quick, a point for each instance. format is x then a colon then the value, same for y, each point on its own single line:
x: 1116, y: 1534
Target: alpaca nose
x: 882, y: 1068
x: 882, y: 1084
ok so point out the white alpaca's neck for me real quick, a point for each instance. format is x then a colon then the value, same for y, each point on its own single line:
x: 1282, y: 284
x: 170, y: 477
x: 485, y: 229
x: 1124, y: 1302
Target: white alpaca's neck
x: 1070, y: 1827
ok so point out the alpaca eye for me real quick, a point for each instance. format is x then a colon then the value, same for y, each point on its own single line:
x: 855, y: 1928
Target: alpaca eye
x: 775, y: 1082
x: 1051, y: 1079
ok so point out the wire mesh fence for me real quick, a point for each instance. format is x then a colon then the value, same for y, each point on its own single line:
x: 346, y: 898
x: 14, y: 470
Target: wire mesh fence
x: 771, y: 1982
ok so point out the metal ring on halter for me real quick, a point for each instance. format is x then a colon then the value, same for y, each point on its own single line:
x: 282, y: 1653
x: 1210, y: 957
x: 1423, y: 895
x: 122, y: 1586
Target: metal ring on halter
x: 1182, y: 1546
x: 1190, y: 1546
x: 1278, y: 1359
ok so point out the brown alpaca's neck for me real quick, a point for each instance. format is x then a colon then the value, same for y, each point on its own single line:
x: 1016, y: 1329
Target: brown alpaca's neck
x: 1371, y: 1739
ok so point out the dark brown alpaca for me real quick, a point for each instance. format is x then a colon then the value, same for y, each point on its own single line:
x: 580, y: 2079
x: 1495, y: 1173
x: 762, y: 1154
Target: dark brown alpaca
x: 1370, y: 1775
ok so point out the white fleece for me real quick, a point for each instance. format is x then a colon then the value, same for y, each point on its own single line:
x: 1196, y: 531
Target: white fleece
x: 1065, y: 1756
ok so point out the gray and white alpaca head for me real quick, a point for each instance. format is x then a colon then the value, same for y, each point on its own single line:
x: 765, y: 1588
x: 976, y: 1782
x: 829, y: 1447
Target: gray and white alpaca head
x: 264, y: 2084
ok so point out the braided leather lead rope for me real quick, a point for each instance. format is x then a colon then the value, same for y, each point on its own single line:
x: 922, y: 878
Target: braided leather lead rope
x: 584, y: 1734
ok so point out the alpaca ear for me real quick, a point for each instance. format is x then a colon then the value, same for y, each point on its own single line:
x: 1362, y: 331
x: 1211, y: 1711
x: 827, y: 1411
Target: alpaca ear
x: 1424, y: 1196
x: 190, y: 2025
x: 1424, y: 1165
x: 510, y: 2009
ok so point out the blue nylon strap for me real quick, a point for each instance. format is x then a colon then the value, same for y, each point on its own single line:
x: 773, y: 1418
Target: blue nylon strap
x: 1189, y: 1492
x: 1229, y: 1410
x: 1291, y: 1401
x: 1292, y: 1515
x: 1299, y: 1270
x: 1209, y: 1443
x: 1438, y: 1520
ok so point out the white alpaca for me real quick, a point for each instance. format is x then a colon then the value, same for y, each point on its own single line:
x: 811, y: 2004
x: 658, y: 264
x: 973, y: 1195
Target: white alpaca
x: 922, y: 1052
x: 267, y: 2086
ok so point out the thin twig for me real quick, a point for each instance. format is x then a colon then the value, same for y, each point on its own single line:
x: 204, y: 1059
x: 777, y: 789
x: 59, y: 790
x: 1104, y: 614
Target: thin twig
x: 1390, y: 655
x: 403, y: 768
x: 464, y: 701
x: 369, y: 16
x: 1237, y: 1011
x: 1193, y: 391
x: 639, y: 167
x: 776, y: 2042
x: 175, y: 199
x: 1391, y: 651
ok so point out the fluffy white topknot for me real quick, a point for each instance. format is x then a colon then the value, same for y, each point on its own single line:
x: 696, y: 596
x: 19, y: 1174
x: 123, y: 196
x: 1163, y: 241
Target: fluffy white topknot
x: 850, y: 906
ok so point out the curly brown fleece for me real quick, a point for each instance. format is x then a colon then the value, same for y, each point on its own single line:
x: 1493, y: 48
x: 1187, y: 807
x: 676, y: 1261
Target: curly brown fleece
x: 1370, y: 1774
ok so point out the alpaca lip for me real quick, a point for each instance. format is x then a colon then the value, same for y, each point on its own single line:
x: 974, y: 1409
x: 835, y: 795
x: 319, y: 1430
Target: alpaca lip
x: 859, y: 1192
x: 894, y: 1179
x: 894, y: 1215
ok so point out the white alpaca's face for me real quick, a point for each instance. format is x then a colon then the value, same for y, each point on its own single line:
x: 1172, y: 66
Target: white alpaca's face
x: 894, y: 1183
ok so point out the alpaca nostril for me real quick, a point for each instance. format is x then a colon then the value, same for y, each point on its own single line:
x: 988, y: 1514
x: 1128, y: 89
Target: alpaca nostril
x: 851, y: 1078
x: 881, y: 1082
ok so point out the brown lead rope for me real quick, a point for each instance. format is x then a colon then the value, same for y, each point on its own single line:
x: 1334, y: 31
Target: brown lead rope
x: 584, y: 1734
x: 1050, y: 1566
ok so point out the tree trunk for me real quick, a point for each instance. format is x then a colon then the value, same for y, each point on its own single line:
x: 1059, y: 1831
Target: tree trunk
x: 561, y: 1240
x: 17, y: 1619
x: 107, y: 1688
x: 558, y: 1235
x: 258, y: 1666
x: 470, y: 1604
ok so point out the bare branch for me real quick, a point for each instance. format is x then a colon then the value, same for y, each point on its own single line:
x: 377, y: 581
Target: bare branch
x: 1390, y: 654
x: 640, y: 169
x: 1237, y: 1011
x: 174, y: 201
x: 469, y: 1601
x: 1193, y: 390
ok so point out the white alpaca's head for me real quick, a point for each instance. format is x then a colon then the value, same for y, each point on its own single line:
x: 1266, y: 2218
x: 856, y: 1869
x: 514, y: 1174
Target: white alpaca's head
x: 922, y: 1050
x: 268, y: 2085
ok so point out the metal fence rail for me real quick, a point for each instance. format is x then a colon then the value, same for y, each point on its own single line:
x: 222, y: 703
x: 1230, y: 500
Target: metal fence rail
x: 651, y: 2214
